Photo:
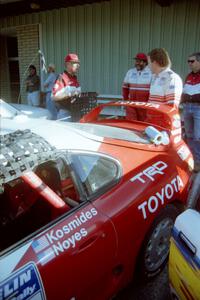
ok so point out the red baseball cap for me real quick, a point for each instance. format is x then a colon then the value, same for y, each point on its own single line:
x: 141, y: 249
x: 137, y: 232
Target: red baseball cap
x: 141, y: 56
x: 72, y: 57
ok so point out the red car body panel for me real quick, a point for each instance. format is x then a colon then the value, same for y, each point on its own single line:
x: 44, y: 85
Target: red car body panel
x: 90, y: 252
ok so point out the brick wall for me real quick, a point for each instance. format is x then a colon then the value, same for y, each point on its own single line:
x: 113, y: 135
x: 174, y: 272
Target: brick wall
x: 28, y: 45
x: 4, y: 71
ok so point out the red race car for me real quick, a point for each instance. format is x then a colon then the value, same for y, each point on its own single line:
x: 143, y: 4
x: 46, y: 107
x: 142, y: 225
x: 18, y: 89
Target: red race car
x: 85, y: 206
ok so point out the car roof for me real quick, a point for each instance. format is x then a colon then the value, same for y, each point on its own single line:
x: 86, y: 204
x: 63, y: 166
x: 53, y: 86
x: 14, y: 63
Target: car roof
x: 69, y: 135
x: 58, y: 134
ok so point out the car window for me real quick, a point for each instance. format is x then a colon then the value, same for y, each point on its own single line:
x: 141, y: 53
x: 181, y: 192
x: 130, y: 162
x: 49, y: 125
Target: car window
x: 28, y: 203
x: 95, y: 172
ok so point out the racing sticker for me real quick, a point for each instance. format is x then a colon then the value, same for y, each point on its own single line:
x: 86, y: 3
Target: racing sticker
x: 24, y: 284
x: 159, y: 198
x: 62, y: 238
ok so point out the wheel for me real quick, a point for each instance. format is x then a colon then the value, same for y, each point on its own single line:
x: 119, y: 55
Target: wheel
x: 194, y: 194
x: 155, y: 249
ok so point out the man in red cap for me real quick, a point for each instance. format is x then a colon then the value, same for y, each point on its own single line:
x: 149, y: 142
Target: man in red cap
x: 136, y: 84
x: 67, y: 87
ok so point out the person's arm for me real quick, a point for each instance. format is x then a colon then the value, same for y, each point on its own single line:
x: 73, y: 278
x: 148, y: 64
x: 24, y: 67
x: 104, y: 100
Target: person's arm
x: 125, y: 88
x: 50, y: 79
x: 28, y: 82
x: 174, y: 91
x: 61, y: 92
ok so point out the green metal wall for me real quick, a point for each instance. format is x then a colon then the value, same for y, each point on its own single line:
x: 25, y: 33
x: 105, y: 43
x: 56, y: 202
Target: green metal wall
x: 107, y: 35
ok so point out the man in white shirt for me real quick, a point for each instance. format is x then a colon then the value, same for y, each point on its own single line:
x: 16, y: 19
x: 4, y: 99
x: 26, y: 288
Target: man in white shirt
x: 136, y: 83
x: 136, y: 86
x: 166, y: 86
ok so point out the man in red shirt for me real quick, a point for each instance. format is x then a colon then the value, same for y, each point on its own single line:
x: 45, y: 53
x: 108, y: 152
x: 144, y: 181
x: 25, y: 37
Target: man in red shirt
x: 67, y: 87
x: 191, y: 107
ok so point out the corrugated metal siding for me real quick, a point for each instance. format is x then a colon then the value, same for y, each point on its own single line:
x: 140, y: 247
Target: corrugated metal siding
x: 107, y: 35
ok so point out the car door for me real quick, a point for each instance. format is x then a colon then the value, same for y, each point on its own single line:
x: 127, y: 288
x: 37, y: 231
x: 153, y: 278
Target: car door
x: 71, y: 258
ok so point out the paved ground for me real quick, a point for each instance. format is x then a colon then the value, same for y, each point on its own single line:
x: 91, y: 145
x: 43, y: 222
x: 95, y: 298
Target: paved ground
x: 157, y: 289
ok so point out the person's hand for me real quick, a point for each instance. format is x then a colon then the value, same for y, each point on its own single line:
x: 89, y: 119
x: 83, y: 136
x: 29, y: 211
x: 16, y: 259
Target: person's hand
x: 71, y: 91
x: 68, y: 91
x: 29, y: 83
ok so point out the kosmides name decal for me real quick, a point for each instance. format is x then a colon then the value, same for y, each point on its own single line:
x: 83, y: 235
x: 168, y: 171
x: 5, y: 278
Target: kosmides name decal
x: 24, y: 284
x: 63, y: 237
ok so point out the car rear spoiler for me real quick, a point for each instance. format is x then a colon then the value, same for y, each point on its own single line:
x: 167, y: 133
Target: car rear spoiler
x: 169, y: 115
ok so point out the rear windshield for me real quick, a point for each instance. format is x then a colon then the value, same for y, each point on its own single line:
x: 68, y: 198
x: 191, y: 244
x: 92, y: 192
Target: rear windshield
x: 113, y: 133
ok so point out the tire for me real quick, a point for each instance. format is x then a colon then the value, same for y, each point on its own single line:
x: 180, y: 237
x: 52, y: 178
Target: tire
x: 155, y: 250
x: 194, y: 193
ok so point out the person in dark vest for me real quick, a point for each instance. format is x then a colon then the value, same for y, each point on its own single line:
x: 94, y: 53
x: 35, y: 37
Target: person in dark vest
x: 67, y: 87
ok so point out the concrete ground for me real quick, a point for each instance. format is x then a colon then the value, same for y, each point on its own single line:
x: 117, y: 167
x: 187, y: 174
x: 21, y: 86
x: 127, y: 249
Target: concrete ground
x: 157, y: 289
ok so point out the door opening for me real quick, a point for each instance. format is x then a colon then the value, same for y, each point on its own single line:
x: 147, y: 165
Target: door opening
x: 13, y: 63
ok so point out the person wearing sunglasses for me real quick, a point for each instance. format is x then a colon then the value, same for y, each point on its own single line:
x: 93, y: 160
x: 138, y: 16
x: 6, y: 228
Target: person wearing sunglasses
x: 66, y: 88
x: 191, y: 107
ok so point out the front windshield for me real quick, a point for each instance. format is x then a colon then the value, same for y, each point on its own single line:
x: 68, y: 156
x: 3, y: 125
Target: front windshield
x: 7, y: 110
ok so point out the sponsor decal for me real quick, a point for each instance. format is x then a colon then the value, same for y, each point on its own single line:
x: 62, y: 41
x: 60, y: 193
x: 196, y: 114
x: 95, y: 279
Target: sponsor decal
x: 61, y: 239
x: 160, y: 198
x: 183, y: 152
x: 176, y: 131
x: 147, y: 104
x: 177, y: 139
x: 176, y: 121
x: 162, y: 81
x: 150, y: 172
x: 24, y: 284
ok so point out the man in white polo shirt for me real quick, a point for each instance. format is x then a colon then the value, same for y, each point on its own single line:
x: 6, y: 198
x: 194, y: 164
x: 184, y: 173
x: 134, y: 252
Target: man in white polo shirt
x: 166, y: 86
x: 137, y: 80
x: 136, y: 85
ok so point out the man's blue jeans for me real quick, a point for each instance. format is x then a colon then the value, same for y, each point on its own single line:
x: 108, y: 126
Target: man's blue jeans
x: 64, y: 115
x: 191, y: 115
x: 50, y: 105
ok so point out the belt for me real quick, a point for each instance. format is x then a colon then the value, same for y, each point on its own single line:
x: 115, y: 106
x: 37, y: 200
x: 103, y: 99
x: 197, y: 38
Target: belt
x: 191, y: 102
x: 32, y: 91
